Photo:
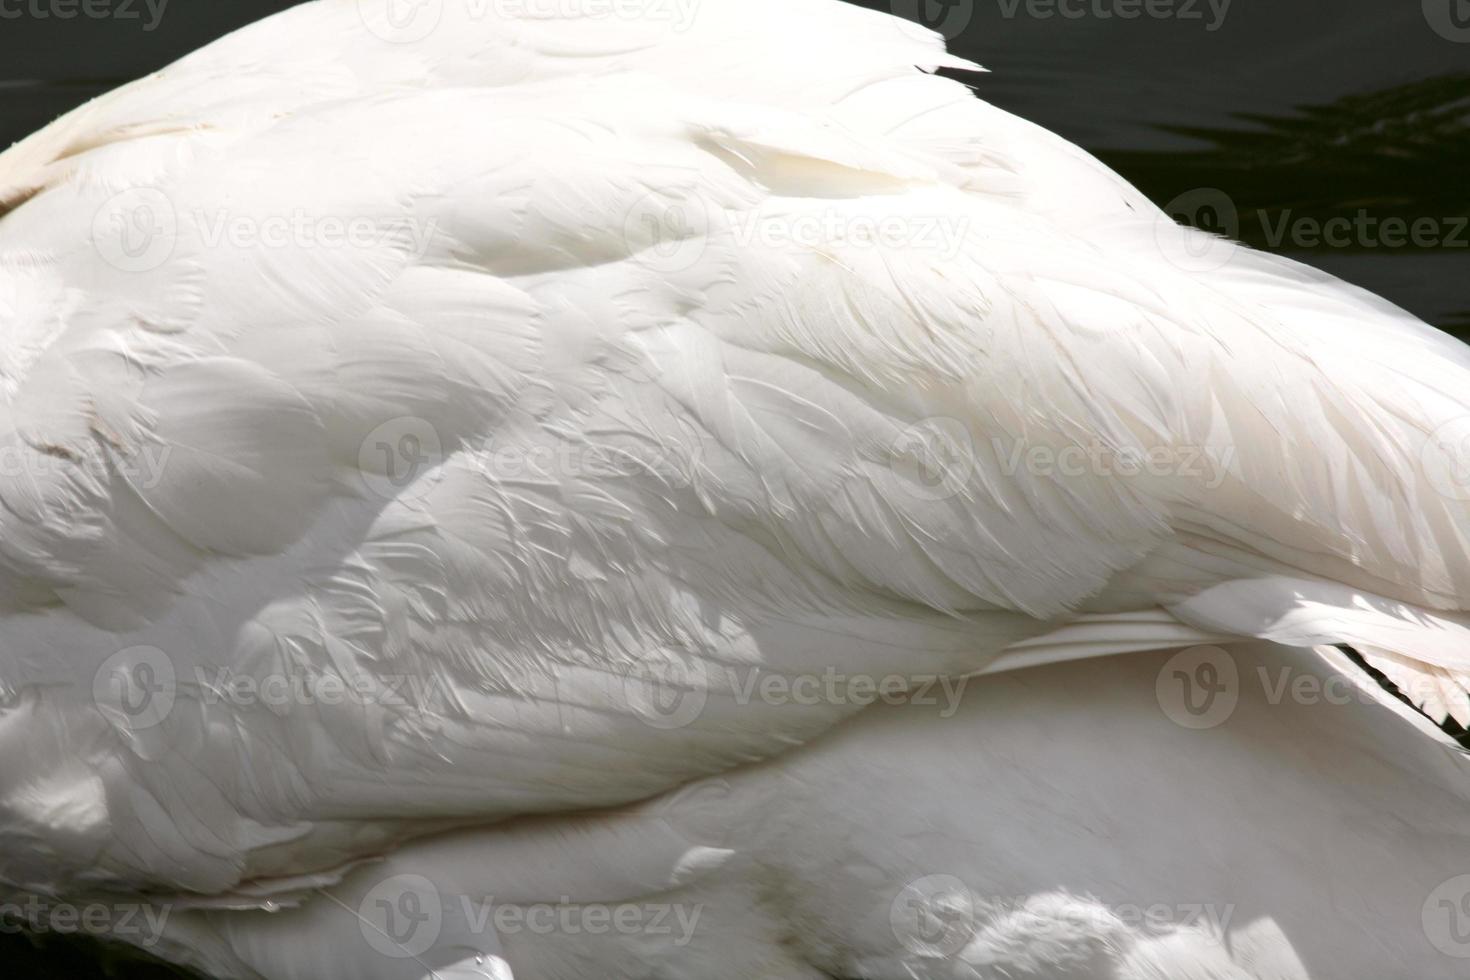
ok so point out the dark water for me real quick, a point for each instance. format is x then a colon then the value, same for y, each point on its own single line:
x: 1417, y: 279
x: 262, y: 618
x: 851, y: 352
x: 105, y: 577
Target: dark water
x: 1314, y: 129
x: 1330, y: 127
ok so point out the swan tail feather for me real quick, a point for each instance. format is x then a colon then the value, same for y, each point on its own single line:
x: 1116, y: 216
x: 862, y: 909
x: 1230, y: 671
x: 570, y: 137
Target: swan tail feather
x: 1441, y: 694
x: 1422, y: 654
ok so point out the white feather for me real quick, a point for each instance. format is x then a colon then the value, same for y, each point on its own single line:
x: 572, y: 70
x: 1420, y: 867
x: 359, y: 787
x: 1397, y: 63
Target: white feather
x: 518, y: 368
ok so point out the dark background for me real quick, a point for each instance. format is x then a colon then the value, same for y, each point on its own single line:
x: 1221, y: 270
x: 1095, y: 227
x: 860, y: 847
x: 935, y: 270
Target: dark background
x: 1299, y: 110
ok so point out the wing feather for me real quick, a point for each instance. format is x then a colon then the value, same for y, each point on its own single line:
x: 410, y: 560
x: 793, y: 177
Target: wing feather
x: 646, y: 376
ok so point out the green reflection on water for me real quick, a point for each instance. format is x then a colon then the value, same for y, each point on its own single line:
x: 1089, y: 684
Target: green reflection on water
x: 1382, y: 173
x: 1329, y: 161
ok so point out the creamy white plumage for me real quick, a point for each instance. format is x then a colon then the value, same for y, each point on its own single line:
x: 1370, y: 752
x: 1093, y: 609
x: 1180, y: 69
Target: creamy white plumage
x: 522, y: 368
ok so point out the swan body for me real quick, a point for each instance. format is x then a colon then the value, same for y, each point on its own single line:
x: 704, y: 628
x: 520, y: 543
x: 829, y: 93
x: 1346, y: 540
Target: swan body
x: 1219, y: 853
x: 413, y: 429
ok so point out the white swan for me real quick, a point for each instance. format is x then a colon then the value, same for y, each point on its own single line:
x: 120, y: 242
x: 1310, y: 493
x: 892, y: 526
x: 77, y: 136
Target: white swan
x: 418, y: 418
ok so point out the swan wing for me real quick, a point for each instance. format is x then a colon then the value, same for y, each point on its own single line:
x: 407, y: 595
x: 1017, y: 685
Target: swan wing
x: 531, y: 416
